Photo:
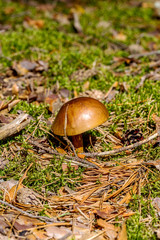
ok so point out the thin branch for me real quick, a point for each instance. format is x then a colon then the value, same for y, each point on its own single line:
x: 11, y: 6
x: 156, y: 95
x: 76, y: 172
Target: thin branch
x: 145, y: 54
x: 79, y: 161
x: 28, y: 214
x: 112, y: 152
x: 15, y: 126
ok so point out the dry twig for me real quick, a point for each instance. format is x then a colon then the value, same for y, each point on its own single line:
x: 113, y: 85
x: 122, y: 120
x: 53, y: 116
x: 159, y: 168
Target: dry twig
x: 112, y: 152
x: 15, y: 126
x: 79, y: 161
x: 28, y: 214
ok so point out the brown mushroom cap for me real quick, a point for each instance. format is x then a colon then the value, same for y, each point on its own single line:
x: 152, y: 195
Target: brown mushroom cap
x: 82, y: 114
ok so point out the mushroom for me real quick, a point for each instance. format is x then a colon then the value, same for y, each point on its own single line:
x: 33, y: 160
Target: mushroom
x: 78, y: 116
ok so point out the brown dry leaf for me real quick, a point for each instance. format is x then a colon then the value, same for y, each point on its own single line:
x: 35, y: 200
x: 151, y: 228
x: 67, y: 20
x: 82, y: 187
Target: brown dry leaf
x: 54, y: 102
x: 106, y: 211
x: 123, y: 87
x: 38, y: 23
x: 23, y: 67
x: 31, y: 237
x: 123, y: 233
x: 94, y: 93
x: 111, y: 95
x: 111, y: 230
x: 40, y: 234
x: 83, y: 74
x: 11, y: 195
x: 61, y: 150
x: 58, y: 232
x: 15, y: 89
x: 65, y: 93
x: 80, y: 230
x: 27, y: 196
x: 3, y: 226
x: 7, y: 185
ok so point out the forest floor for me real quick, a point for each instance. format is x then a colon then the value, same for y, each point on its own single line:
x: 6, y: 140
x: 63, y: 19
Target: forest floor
x: 58, y: 50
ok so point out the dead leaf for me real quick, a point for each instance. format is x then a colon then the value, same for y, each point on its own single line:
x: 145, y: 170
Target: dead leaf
x: 83, y: 74
x: 94, y: 93
x: 61, y: 150
x: 58, y: 232
x: 54, y: 102
x: 40, y: 234
x: 123, y: 233
x: 111, y: 95
x: 27, y: 196
x: 11, y: 195
x: 65, y: 93
x: 15, y: 89
x: 23, y: 67
x: 111, y: 230
x: 3, y: 226
x: 38, y: 23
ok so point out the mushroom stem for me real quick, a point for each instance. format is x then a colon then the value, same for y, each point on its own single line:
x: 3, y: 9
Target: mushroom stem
x: 77, y: 141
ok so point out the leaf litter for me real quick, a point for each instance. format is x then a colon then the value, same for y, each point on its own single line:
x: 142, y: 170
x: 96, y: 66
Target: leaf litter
x: 102, y: 195
x: 90, y: 211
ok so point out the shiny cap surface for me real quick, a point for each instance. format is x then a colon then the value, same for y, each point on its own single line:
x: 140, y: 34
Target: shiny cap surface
x: 80, y: 114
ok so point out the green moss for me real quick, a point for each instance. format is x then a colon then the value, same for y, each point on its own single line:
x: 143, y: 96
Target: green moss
x: 66, y: 51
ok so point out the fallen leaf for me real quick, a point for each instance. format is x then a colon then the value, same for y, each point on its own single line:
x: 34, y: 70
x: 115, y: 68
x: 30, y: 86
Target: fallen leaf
x: 61, y: 150
x: 65, y: 93
x: 111, y: 95
x: 94, y: 93
x: 83, y: 74
x: 111, y: 230
x: 11, y: 194
x: 3, y: 226
x: 54, y: 102
x: 58, y: 232
x: 40, y: 234
x: 38, y: 23
x: 123, y: 233
x: 27, y: 196
x: 15, y: 89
